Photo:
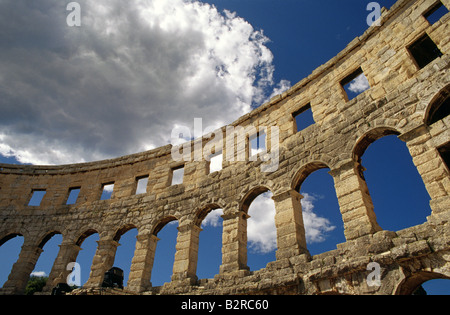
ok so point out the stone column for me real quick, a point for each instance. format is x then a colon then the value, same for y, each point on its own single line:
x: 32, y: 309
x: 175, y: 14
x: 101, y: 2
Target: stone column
x: 186, y: 255
x: 234, y: 242
x: 67, y: 253
x: 422, y: 143
x: 21, y: 270
x: 102, y: 262
x: 354, y: 200
x: 142, y: 263
x: 291, y: 239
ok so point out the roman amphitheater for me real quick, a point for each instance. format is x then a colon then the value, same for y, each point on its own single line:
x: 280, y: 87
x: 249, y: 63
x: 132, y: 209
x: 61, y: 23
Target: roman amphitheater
x: 406, y: 62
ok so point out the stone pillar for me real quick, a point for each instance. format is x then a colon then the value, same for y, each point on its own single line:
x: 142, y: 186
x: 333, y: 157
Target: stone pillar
x: 21, y: 270
x: 142, y: 263
x: 102, y: 262
x: 291, y: 238
x: 422, y: 143
x: 186, y: 255
x: 234, y: 242
x: 354, y: 200
x: 67, y: 253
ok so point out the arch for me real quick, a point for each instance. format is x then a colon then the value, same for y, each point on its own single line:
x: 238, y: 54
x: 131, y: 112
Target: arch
x: 370, y: 137
x: 439, y: 107
x: 203, y: 212
x: 262, y: 242
x: 165, y: 250
x: 13, y: 232
x: 392, y: 183
x: 85, y: 235
x: 121, y: 231
x: 162, y: 223
x: 248, y: 198
x: 13, y: 250
x: 9, y: 237
x: 46, y: 259
x: 127, y: 235
x: 207, y: 247
x: 47, y: 237
x: 250, y: 239
x: 322, y: 217
x: 87, y: 252
x: 304, y: 171
x: 409, y: 285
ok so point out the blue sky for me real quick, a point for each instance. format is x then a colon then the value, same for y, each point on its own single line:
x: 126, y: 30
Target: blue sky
x: 292, y: 38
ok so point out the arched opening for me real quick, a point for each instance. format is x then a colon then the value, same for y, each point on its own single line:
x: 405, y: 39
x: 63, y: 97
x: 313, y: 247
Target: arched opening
x: 88, y: 243
x: 439, y: 108
x: 126, y: 236
x: 261, y: 229
x: 322, y: 218
x: 50, y: 246
x: 425, y: 283
x: 398, y: 193
x: 167, y: 232
x: 210, y: 242
x: 261, y: 232
x: 10, y: 247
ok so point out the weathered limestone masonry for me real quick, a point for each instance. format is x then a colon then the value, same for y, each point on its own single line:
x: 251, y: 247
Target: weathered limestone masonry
x: 405, y: 99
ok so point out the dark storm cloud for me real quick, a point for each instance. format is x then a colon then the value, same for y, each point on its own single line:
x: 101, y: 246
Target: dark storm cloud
x: 120, y: 82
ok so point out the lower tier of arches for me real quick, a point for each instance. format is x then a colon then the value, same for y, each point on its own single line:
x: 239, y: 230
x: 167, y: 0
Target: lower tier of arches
x: 381, y: 263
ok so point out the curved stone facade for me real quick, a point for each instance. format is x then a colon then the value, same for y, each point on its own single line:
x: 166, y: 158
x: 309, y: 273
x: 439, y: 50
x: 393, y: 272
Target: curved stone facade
x: 405, y: 99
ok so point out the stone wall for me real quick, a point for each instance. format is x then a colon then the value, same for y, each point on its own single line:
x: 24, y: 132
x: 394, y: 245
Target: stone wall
x: 401, y: 100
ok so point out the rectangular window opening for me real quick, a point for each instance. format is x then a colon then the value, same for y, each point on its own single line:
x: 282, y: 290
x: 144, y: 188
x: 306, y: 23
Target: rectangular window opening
x: 142, y: 183
x: 177, y: 175
x: 215, y: 164
x: 107, y: 191
x: 257, y: 143
x: 444, y: 151
x: 36, y: 197
x: 436, y: 13
x: 73, y: 196
x: 303, y: 118
x: 355, y: 84
x: 424, y: 51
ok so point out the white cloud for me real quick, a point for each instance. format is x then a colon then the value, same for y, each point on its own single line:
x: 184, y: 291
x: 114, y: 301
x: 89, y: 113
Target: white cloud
x: 119, y: 83
x: 216, y: 163
x: 108, y: 188
x: 316, y: 227
x: 142, y: 186
x: 177, y: 176
x: 261, y: 230
x: 359, y: 84
x: 39, y: 274
x: 214, y: 218
x: 281, y: 87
